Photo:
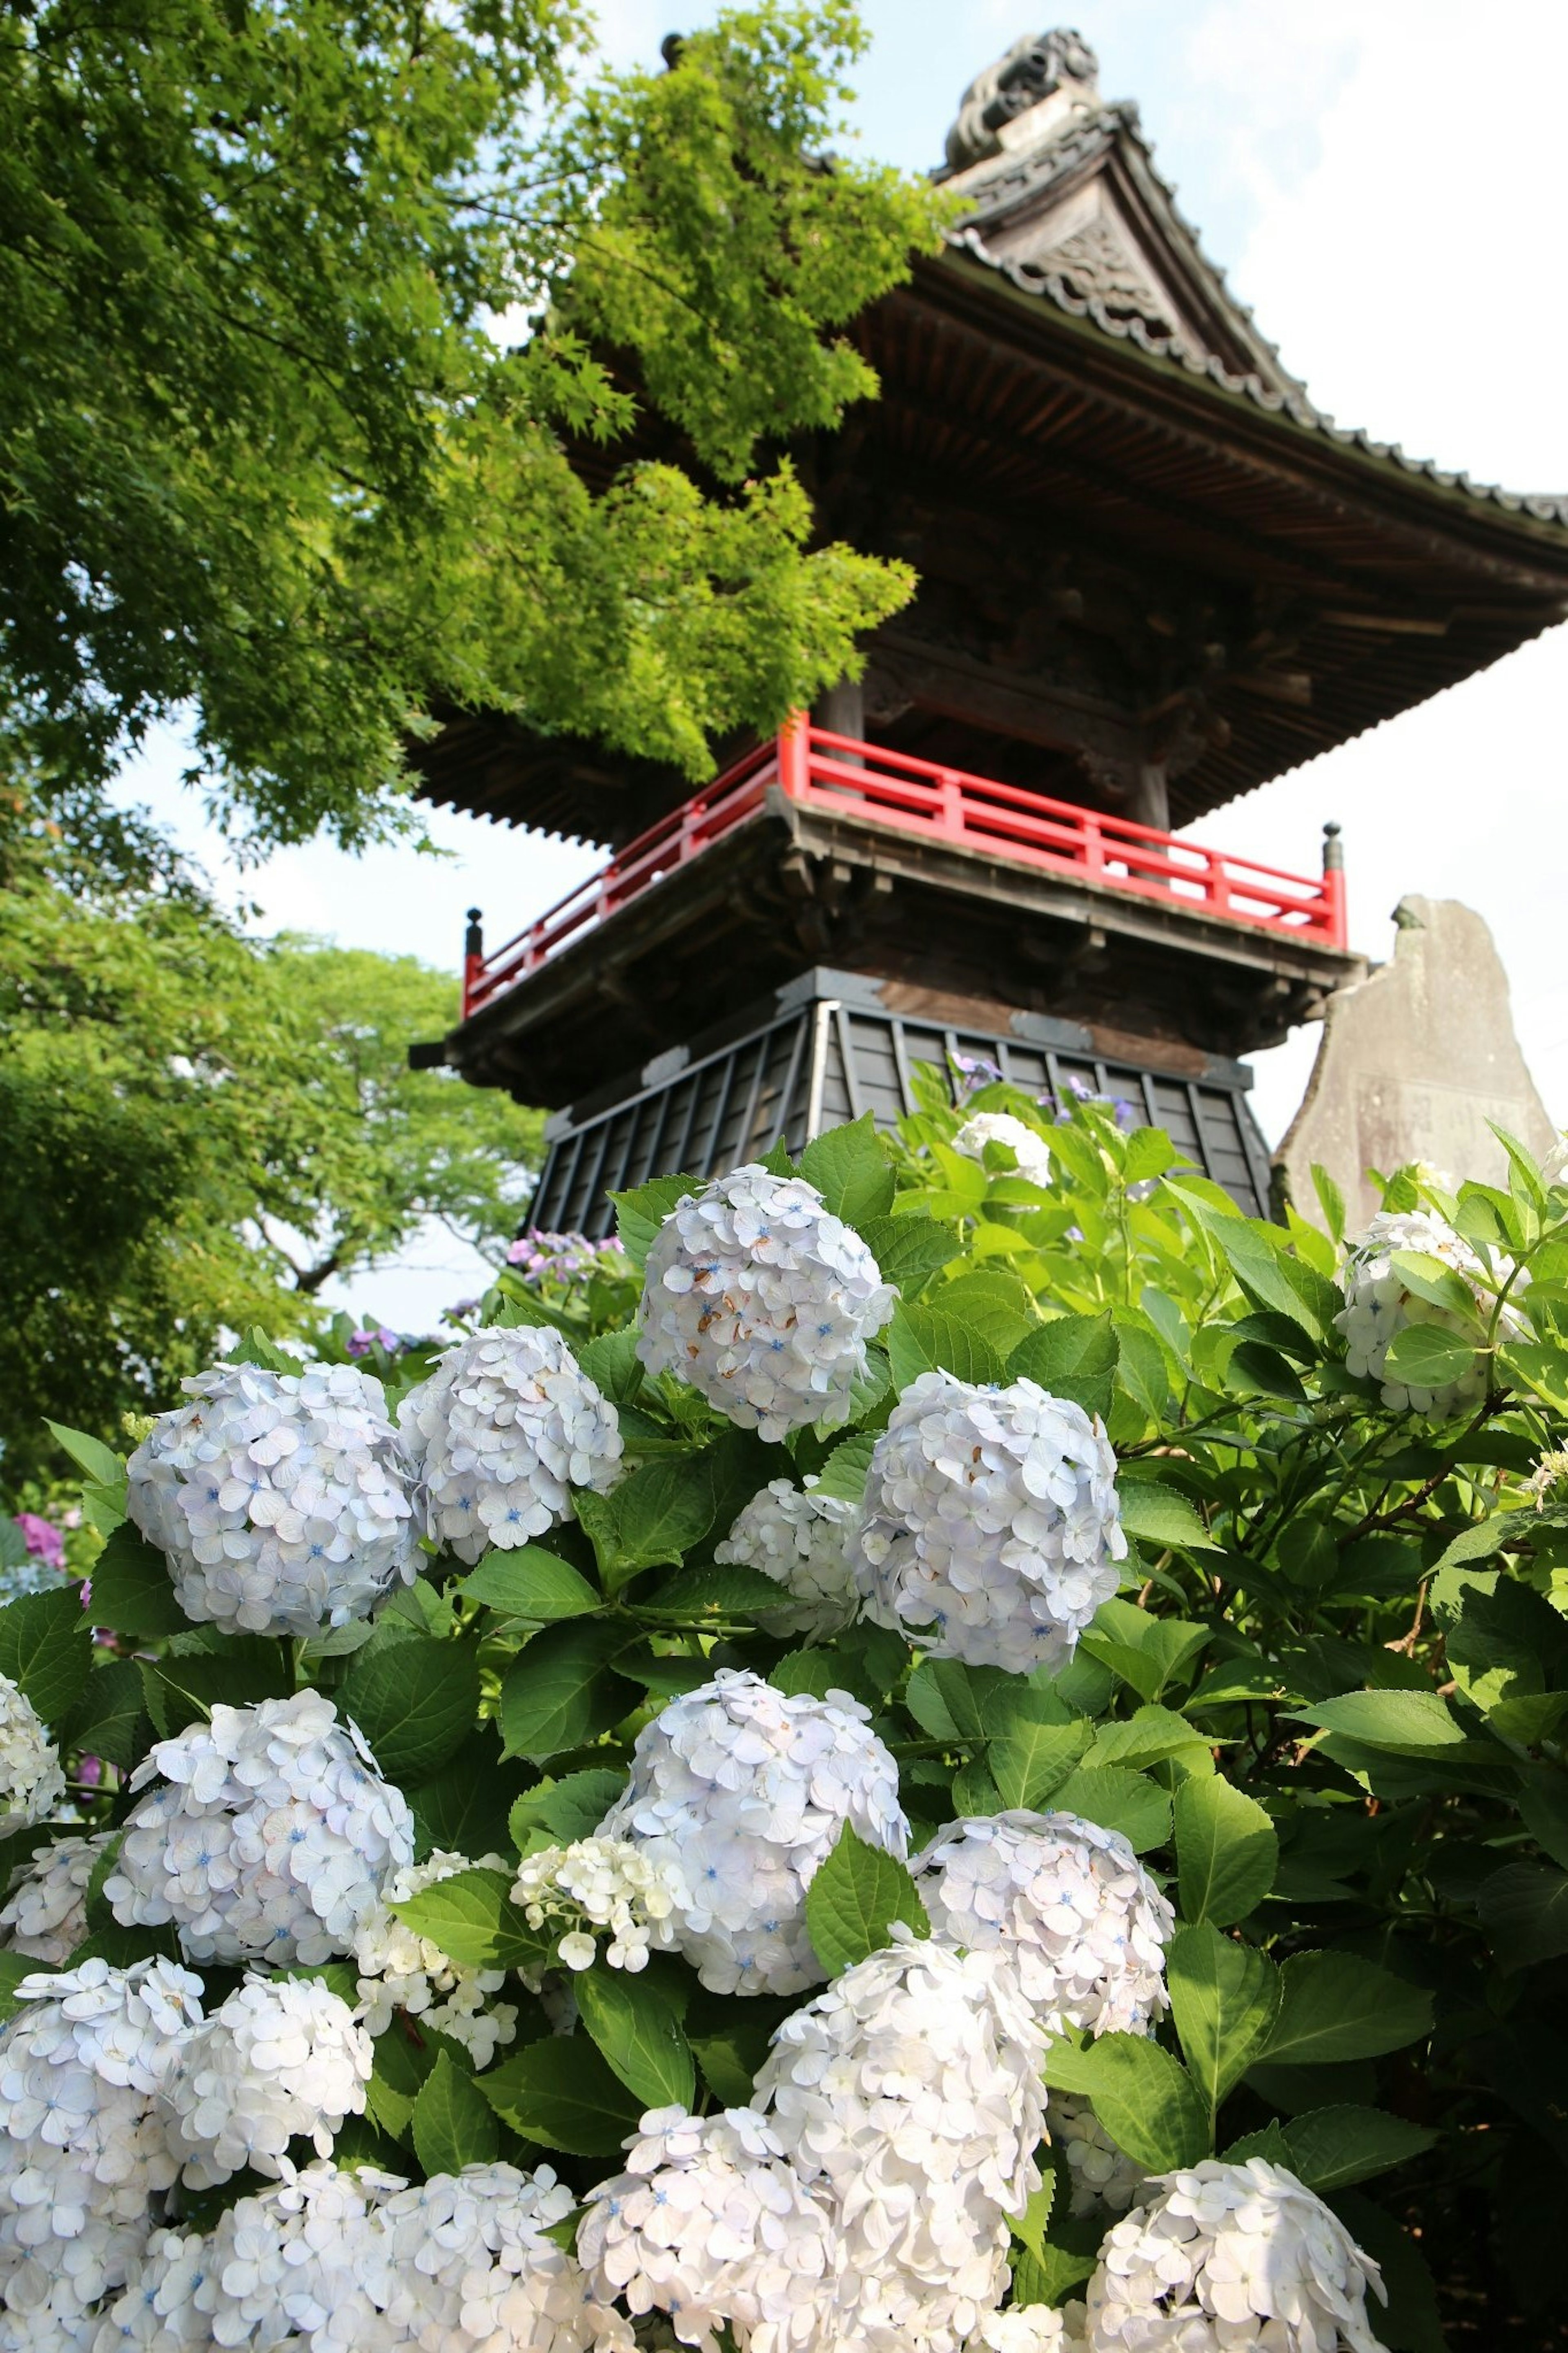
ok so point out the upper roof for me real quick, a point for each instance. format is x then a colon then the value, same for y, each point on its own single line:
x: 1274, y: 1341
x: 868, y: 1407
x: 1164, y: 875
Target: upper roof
x: 1066, y: 202
x: 1137, y: 536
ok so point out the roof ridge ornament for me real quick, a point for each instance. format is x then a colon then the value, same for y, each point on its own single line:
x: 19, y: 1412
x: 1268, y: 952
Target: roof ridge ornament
x: 1036, y: 69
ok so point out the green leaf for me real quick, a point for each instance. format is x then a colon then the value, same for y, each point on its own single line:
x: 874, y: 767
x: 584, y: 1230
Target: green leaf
x: 46, y: 1648
x: 559, y: 1692
x: 1524, y: 1911
x: 1329, y: 2149
x: 110, y: 1720
x: 100, y: 1462
x: 638, y: 2034
x: 1331, y: 1200
x: 1227, y: 1851
x: 1426, y: 1356
x: 955, y: 1701
x: 851, y: 1170
x: 530, y: 1583
x: 651, y: 1519
x: 1158, y: 1515
x: 201, y: 1667
x: 843, y: 1474
x: 1405, y: 1722
x: 814, y: 1672
x: 14, y: 1968
x: 473, y: 1920
x: 1149, y: 1654
x: 921, y: 1339
x: 452, y: 2122
x: 1117, y: 1801
x: 1029, y: 2228
x: 1434, y: 1280
x: 1145, y: 1737
x: 561, y: 2094
x: 1033, y: 1760
x: 1149, y: 1152
x: 132, y: 1593
x: 1140, y: 1367
x: 853, y: 1900
x: 390, y: 2110
x: 463, y: 1808
x: 1073, y: 1357
x: 414, y: 1701
x: 1336, y: 2006
x: 910, y: 1250
x: 640, y: 1213
x: 570, y: 1809
x: 993, y: 1303
x: 1225, y: 1998
x: 612, y: 1363
x: 1543, y: 1804
x: 730, y: 1588
x: 1257, y: 1368
x: 1145, y: 2099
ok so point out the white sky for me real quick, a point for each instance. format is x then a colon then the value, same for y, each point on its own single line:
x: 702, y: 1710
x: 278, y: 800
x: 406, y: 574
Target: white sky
x: 1381, y: 180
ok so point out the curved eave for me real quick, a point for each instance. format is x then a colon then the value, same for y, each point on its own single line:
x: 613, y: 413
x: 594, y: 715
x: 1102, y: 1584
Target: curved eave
x: 1255, y: 417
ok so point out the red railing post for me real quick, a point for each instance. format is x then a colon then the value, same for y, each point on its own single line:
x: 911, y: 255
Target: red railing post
x: 1334, y: 886
x: 473, y: 960
x: 1093, y: 848
x: 794, y: 755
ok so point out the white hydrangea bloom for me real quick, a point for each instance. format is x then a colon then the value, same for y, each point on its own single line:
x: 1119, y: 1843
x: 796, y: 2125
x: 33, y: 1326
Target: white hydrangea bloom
x: 764, y: 1300
x: 1231, y: 2259
x: 800, y: 1539
x: 991, y: 1515
x: 600, y: 1884
x: 1030, y: 1151
x: 291, y: 2270
x: 53, y: 2299
x: 279, y: 1500
x: 45, y: 1915
x: 282, y: 2056
x: 739, y: 1793
x: 911, y: 2090
x: 83, y: 2147
x: 1378, y: 1307
x: 1070, y: 1904
x: 269, y: 1837
x: 710, y: 2224
x: 1027, y: 2328
x: 465, y: 2266
x: 155, y: 2311
x: 1103, y: 2178
x: 505, y: 1428
x: 31, y: 1782
x: 400, y: 1970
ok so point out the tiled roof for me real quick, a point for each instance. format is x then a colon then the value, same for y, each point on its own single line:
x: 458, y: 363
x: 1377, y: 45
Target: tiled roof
x: 1001, y: 194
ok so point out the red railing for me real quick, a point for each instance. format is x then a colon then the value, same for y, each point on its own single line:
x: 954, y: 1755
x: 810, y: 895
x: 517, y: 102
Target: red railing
x: 845, y: 777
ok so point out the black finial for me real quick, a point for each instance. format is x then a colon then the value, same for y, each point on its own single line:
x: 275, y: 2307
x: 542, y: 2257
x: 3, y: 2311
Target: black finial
x: 671, y: 47
x: 1333, y: 849
x: 474, y: 938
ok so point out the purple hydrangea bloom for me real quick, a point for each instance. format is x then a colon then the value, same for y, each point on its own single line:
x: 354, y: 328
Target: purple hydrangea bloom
x: 43, y: 1539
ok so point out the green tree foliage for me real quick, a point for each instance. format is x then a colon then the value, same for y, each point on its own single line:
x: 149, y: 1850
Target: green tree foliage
x: 201, y: 1128
x: 1326, y: 1706
x: 298, y: 302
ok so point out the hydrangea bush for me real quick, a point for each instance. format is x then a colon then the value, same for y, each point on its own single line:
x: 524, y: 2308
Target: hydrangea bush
x: 954, y: 1748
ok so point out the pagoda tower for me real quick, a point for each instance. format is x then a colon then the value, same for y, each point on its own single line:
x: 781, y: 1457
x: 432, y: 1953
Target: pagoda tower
x: 1153, y: 574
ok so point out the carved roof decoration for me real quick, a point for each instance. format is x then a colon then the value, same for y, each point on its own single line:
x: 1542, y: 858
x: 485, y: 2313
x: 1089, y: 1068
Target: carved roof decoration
x: 1068, y: 206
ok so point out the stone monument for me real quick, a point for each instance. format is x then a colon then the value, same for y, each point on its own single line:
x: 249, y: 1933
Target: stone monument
x: 1413, y: 1063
